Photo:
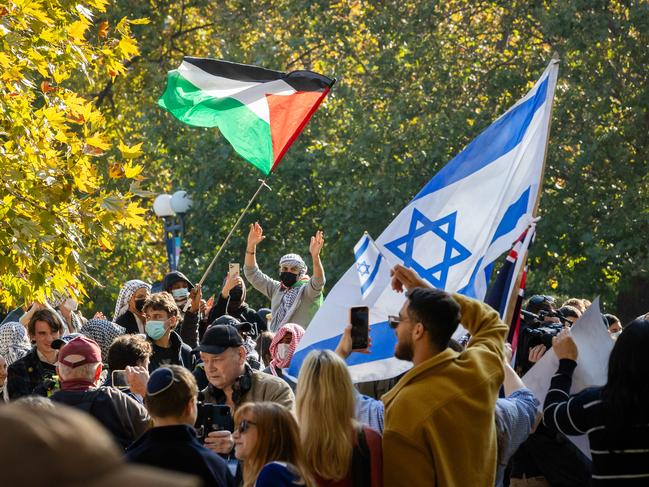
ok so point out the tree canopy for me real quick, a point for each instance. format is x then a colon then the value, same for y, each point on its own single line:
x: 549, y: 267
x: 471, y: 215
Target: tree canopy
x: 416, y: 82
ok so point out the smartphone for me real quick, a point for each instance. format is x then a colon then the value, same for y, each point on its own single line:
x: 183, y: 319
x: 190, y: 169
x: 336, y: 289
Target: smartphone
x: 120, y: 379
x: 234, y: 269
x: 359, y: 318
x: 213, y: 417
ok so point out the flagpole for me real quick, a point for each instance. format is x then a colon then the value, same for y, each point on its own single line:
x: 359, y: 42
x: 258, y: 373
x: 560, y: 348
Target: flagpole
x: 243, y: 213
x: 510, y: 303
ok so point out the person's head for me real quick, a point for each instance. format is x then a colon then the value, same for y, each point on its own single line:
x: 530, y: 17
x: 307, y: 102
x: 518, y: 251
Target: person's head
x: 626, y: 393
x: 79, y: 360
x: 575, y: 303
x: 43, y: 328
x: 267, y: 432
x: 613, y: 324
x: 14, y: 342
x: 265, y: 315
x: 291, y: 268
x: 177, y: 284
x: 263, y: 346
x: 68, y: 447
x: 104, y: 333
x: 171, y: 395
x: 3, y: 370
x: 285, y: 343
x: 326, y: 432
x: 131, y: 297
x: 540, y: 302
x: 130, y: 350
x: 161, y: 314
x: 571, y: 313
x: 426, y: 322
x: 223, y: 355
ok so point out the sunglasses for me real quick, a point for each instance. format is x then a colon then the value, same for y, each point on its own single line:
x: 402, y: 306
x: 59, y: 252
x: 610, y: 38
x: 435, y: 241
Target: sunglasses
x: 393, y: 321
x: 244, y: 426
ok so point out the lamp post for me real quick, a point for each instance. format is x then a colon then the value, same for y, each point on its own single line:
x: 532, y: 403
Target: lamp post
x: 172, y: 209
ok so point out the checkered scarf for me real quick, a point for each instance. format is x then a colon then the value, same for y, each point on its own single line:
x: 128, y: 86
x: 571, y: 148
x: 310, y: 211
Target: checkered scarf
x: 104, y: 333
x: 297, y: 332
x: 290, y: 301
x: 14, y: 343
x: 125, y: 295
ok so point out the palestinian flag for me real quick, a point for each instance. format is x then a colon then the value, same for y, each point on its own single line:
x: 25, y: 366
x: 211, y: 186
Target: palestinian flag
x: 261, y: 112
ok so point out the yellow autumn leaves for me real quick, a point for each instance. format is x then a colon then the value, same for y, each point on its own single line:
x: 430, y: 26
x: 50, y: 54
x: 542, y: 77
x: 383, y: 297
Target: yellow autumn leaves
x: 62, y: 188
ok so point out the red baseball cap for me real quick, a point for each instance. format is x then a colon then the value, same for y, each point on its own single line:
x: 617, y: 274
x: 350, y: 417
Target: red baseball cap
x: 79, y: 351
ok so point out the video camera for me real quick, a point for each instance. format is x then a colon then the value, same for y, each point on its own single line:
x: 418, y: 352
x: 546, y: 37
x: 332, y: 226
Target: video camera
x: 536, y: 331
x: 213, y: 417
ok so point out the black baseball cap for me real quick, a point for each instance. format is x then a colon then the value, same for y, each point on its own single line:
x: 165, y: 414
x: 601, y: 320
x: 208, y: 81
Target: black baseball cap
x: 241, y: 326
x: 218, y: 338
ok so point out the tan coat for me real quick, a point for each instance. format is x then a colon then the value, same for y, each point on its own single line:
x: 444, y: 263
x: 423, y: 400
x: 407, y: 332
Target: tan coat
x: 265, y: 387
x: 439, y: 418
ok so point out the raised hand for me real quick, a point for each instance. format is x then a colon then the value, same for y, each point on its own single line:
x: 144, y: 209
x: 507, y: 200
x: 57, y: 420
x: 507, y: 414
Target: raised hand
x: 317, y: 242
x: 195, y: 295
x: 405, y: 278
x: 255, y: 235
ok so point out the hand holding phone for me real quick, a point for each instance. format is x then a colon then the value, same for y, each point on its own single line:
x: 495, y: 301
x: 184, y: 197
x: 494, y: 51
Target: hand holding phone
x: 359, y: 319
x: 120, y: 379
x: 234, y: 270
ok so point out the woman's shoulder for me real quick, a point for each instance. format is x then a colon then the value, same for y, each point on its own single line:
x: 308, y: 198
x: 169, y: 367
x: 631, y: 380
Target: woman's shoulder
x: 276, y: 474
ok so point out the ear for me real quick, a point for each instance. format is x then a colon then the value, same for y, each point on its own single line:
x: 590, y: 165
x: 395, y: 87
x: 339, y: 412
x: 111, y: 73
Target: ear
x: 172, y: 321
x: 98, y: 372
x: 242, y: 355
x: 418, y: 331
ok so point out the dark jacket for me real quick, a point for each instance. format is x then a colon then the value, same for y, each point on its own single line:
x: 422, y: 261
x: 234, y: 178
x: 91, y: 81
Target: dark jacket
x: 176, y: 448
x: 244, y: 314
x: 188, y: 329
x: 179, y: 354
x: 28, y: 376
x: 125, y: 418
x: 127, y: 320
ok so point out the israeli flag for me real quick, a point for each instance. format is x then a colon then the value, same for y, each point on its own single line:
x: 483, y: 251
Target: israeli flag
x: 368, y: 260
x: 451, y: 233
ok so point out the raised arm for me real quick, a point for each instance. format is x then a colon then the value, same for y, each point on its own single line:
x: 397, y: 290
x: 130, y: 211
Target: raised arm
x: 255, y: 236
x: 318, y: 278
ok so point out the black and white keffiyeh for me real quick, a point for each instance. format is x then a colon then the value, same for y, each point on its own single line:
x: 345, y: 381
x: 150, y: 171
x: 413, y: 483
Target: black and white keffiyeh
x: 14, y: 342
x: 125, y: 295
x: 104, y: 333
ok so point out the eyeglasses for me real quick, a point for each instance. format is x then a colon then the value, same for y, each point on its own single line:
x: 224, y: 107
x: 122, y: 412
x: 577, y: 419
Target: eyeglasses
x: 244, y: 425
x: 393, y: 321
x: 540, y: 299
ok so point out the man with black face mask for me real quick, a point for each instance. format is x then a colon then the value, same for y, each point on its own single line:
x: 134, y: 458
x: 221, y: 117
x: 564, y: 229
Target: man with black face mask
x: 295, y: 298
x: 232, y: 301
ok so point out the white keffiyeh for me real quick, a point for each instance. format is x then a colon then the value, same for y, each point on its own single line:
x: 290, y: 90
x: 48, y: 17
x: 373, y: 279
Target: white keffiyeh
x: 125, y: 295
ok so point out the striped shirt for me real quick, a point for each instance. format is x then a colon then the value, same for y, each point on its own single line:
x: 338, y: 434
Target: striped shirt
x: 619, y: 458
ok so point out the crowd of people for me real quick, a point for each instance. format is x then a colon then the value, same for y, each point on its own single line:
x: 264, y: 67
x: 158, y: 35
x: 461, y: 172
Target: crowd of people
x: 201, y: 388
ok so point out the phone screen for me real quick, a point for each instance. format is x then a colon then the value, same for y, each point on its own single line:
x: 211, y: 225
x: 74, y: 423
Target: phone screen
x: 359, y: 319
x: 120, y: 379
x: 234, y: 269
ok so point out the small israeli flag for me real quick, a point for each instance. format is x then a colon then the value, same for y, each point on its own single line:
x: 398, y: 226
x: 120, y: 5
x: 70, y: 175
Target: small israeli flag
x: 368, y: 262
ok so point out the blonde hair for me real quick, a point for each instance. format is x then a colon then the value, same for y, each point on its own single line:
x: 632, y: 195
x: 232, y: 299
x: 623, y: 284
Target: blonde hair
x: 278, y: 440
x: 325, y: 410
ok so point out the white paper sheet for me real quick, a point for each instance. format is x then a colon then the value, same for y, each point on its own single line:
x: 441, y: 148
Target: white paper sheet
x: 594, y: 345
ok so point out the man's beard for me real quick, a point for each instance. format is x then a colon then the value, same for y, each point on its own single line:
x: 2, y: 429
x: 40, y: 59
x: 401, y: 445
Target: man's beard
x: 403, y: 350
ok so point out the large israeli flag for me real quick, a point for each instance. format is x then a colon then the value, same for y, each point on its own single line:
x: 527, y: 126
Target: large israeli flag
x: 469, y: 214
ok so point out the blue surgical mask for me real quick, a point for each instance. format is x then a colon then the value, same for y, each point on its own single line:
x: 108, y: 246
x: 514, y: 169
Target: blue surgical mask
x: 155, y: 329
x: 183, y: 292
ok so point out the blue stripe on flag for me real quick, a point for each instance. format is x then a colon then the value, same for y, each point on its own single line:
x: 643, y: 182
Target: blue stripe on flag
x: 514, y: 213
x: 497, y: 140
x: 383, y: 342
x: 370, y: 279
x: 361, y: 251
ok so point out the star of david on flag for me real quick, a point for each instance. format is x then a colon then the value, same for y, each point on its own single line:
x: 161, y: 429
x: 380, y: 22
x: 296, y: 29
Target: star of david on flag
x: 454, y: 252
x: 368, y: 263
x: 451, y: 233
